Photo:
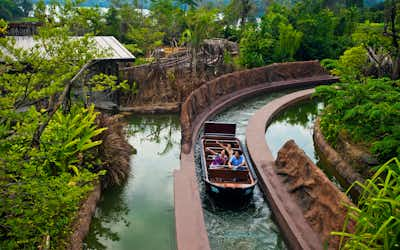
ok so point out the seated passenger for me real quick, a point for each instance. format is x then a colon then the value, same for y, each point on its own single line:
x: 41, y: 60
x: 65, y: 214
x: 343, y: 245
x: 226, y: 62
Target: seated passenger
x: 227, y: 147
x: 237, y: 161
x: 219, y: 159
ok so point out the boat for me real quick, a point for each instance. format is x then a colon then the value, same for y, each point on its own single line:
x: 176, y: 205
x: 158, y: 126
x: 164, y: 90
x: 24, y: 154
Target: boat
x: 222, y: 180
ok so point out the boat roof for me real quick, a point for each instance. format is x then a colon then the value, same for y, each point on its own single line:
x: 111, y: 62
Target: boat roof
x: 219, y: 129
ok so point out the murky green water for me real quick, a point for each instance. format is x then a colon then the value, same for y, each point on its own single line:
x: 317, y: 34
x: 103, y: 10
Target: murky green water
x: 297, y: 122
x: 244, y: 225
x: 140, y: 213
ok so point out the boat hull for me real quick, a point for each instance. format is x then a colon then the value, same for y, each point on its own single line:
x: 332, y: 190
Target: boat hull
x: 231, y: 192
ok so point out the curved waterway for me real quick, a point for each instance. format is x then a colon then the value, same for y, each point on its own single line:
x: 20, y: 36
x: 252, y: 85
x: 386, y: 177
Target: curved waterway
x: 297, y: 122
x: 244, y: 225
x: 140, y: 213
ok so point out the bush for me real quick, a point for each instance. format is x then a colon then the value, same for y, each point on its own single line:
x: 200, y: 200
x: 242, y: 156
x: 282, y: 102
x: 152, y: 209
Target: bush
x: 377, y: 216
x: 42, y: 188
x: 368, y: 112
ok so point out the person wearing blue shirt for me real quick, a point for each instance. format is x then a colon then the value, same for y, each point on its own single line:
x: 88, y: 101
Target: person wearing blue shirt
x: 237, y: 161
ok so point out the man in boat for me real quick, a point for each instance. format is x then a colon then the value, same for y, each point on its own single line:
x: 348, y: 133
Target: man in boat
x: 237, y: 161
x: 219, y: 159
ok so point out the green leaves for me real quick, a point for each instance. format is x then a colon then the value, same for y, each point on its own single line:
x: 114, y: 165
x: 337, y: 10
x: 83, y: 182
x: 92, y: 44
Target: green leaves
x: 368, y: 112
x: 70, y: 135
x: 378, y: 216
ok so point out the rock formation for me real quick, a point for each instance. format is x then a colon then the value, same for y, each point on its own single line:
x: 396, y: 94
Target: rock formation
x: 336, y: 161
x: 321, y: 201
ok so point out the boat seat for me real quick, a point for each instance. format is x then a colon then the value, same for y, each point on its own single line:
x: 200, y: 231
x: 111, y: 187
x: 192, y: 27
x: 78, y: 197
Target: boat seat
x: 220, y: 148
x: 228, y: 175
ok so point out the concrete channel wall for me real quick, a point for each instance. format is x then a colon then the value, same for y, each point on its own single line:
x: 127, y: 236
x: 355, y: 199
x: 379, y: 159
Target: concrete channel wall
x: 205, y: 102
x: 298, y: 234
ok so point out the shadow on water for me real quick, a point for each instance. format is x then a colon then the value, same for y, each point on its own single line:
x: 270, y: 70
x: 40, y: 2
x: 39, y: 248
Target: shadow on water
x: 139, y: 214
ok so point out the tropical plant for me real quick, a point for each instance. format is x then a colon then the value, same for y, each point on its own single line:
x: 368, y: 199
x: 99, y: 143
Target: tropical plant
x: 368, y: 112
x: 377, y: 215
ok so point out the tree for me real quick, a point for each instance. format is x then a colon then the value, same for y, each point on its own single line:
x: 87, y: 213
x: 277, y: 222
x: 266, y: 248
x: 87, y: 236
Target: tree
x: 289, y: 42
x: 239, y: 11
x: 26, y: 6
x: 44, y: 73
x: 352, y: 64
x: 9, y: 10
x: 391, y: 30
x: 169, y: 19
x: 274, y: 40
x: 201, y: 25
x: 47, y: 145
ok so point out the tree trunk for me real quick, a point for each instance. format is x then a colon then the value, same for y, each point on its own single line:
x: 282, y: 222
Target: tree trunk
x: 39, y: 130
x: 194, y: 62
x: 396, y: 67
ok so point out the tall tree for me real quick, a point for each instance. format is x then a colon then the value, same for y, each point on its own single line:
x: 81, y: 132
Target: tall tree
x: 25, y: 5
x: 201, y: 25
x: 9, y: 10
x: 391, y: 30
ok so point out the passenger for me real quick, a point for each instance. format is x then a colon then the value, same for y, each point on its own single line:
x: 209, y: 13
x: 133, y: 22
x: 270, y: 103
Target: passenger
x: 227, y: 147
x: 219, y: 159
x: 237, y: 161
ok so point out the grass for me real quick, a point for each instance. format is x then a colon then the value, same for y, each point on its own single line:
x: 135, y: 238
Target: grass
x: 377, y: 216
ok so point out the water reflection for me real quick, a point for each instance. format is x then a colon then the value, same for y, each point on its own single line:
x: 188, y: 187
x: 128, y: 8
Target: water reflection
x: 301, y: 114
x: 160, y: 128
x: 113, y: 209
x: 140, y: 213
x: 297, y: 122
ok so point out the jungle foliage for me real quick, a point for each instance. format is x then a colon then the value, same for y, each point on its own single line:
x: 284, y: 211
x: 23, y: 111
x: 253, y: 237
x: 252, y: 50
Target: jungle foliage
x: 368, y: 112
x: 377, y: 215
x: 49, y: 142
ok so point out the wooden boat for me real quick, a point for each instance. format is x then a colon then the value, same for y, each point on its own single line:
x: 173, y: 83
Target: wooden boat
x: 222, y: 180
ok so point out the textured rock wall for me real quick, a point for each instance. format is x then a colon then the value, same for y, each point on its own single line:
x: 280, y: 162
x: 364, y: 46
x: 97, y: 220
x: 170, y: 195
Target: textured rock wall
x: 347, y: 174
x: 206, y: 94
x: 321, y: 201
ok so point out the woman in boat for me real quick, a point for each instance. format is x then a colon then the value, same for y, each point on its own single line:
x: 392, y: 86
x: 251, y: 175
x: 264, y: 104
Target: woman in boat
x: 237, y: 161
x: 219, y: 159
x: 227, y: 147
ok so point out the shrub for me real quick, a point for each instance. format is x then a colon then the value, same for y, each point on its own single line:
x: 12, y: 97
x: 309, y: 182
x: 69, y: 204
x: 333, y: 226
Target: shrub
x: 42, y: 188
x: 377, y: 216
x: 368, y: 112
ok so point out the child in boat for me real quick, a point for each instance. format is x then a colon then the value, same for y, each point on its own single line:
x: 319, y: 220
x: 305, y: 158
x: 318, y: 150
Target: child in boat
x: 227, y: 147
x: 237, y: 161
x: 219, y: 159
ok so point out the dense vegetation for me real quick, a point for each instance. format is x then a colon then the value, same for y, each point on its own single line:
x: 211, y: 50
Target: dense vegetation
x: 377, y: 216
x: 49, y: 144
x: 368, y: 113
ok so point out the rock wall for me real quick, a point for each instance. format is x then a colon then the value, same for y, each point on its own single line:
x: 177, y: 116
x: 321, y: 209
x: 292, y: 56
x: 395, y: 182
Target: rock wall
x: 204, y: 96
x: 170, y: 80
x: 321, y: 201
x: 82, y: 223
x: 343, y: 169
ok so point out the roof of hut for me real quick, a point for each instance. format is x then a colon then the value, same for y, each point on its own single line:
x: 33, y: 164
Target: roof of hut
x: 115, y: 50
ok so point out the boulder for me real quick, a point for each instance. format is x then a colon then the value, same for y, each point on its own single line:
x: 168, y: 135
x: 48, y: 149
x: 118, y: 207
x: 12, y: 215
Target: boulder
x: 322, y: 203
